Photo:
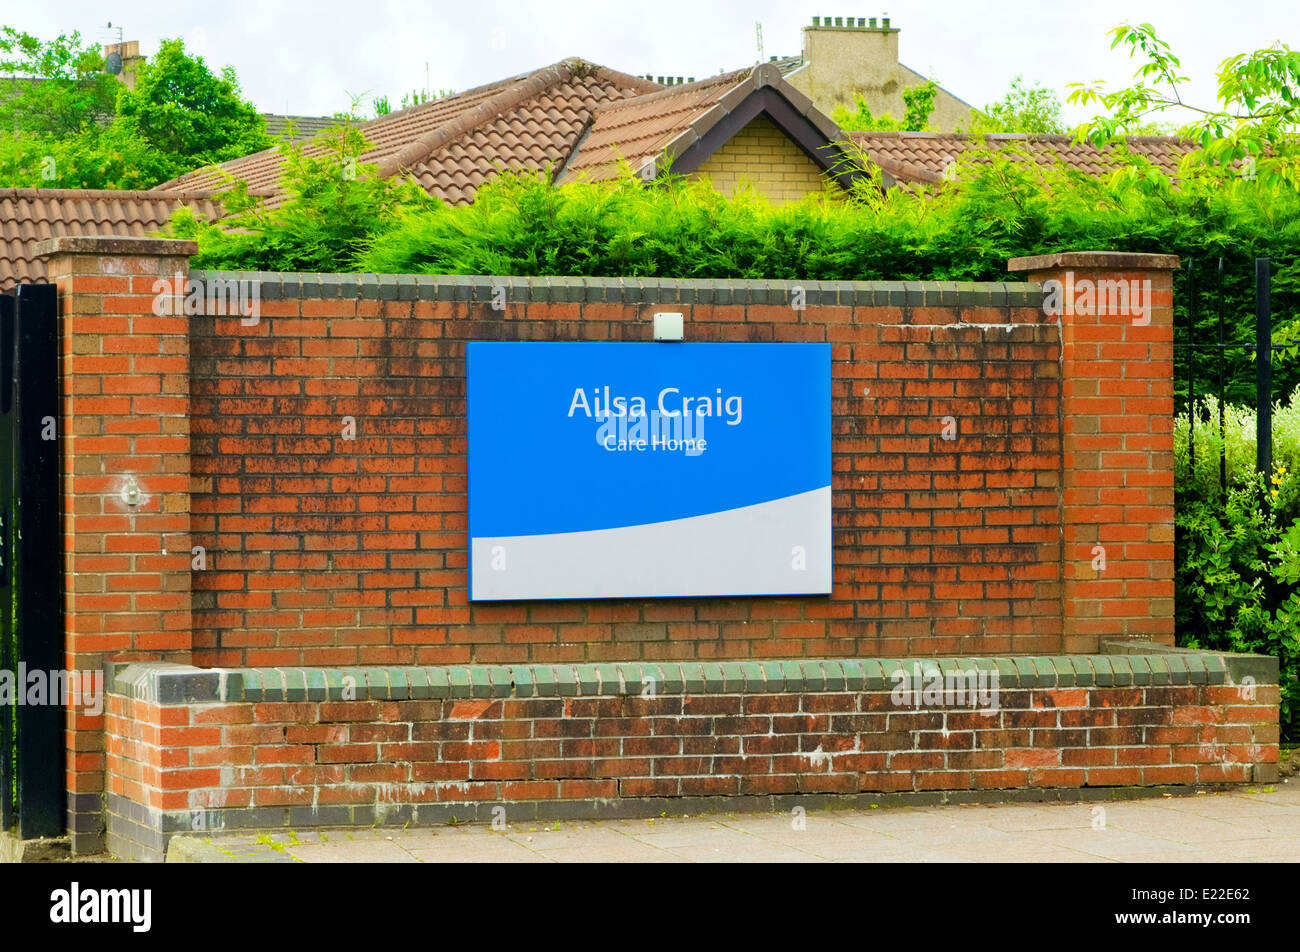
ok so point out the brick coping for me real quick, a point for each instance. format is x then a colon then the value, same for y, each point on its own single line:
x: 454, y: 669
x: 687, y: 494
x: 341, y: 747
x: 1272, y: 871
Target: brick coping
x: 484, y: 290
x: 166, y: 683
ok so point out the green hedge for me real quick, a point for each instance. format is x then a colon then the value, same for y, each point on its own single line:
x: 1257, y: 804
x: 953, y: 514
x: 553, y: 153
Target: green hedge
x: 998, y: 209
x: 1237, y: 546
x: 1235, y: 584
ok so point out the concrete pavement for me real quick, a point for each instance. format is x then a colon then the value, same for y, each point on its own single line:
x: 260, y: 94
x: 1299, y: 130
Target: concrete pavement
x: 1254, y: 824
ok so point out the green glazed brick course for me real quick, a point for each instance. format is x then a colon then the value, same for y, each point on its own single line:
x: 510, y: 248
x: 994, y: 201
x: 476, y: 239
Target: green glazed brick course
x: 272, y: 685
x: 929, y: 668
x: 354, y: 679
x: 774, y: 675
x: 1141, y: 670
x: 714, y: 681
x: 522, y: 676
x: 672, y: 681
x: 177, y: 684
x: 1065, y: 673
x: 692, y: 678
x: 635, y: 678
x: 833, y: 674
x: 1215, y: 668
x: 439, y: 683
x: 417, y: 682
x: 1177, y: 668
x: 1197, y: 673
x: 610, y: 682
x: 334, y: 687
x: 458, y: 682
x: 854, y: 675
x: 1121, y: 671
x: 814, y: 679
x: 317, y: 685
x: 480, y: 682
x: 793, y: 676
x: 628, y: 290
x: 733, y: 677
x: 1262, y: 668
x: 588, y: 679
x: 566, y: 681
x: 755, y: 682
x: 1102, y: 670
x: 888, y: 669
x: 950, y: 666
x: 1159, y: 669
x: 544, y: 681
x: 873, y: 675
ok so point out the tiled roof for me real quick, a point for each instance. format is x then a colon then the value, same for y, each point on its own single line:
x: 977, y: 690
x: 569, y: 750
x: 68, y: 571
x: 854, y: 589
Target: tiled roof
x: 648, y: 132
x: 304, y: 127
x: 453, y: 145
x: 923, y: 156
x: 640, y: 129
x: 29, y: 215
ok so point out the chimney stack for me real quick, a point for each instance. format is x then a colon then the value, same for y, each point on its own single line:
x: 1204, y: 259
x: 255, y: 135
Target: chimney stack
x: 879, y: 24
x: 128, y: 56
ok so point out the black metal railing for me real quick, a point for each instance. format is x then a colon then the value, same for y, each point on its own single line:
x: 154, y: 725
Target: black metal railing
x: 32, y: 746
x: 1223, y: 357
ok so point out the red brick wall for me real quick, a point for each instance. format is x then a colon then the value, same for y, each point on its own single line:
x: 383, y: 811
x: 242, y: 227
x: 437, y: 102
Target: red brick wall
x: 1118, y: 410
x: 125, y: 380
x: 321, y: 550
x: 380, y: 754
x: 331, y: 551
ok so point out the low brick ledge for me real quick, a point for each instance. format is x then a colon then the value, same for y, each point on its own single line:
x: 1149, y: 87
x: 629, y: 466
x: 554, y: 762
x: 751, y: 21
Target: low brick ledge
x: 480, y: 289
x: 182, y: 845
x: 167, y: 683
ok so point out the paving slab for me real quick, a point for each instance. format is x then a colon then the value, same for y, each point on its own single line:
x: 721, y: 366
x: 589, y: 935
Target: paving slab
x: 1249, y: 825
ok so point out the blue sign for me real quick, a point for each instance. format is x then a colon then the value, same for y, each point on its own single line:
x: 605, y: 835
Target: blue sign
x: 641, y: 470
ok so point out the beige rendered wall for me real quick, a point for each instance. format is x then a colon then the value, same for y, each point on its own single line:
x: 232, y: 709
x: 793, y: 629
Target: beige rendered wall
x: 839, y: 62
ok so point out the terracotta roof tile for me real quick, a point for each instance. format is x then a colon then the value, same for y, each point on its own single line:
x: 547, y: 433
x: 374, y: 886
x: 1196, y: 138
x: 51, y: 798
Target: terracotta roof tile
x: 31, y: 215
x: 638, y: 130
x: 923, y: 156
x: 452, y: 145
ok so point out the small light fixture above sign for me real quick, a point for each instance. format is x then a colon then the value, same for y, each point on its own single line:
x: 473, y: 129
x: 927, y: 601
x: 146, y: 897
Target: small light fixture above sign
x: 669, y: 326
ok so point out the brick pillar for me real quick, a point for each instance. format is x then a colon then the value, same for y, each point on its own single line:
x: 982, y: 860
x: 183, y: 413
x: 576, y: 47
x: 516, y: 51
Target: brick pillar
x: 1118, y: 448
x: 124, y: 427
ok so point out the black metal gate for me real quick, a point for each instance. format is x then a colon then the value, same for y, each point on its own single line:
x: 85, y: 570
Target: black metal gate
x: 1219, y: 358
x: 31, y: 566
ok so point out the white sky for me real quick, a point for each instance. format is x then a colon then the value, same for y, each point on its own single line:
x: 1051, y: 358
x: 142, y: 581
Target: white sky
x: 309, y: 58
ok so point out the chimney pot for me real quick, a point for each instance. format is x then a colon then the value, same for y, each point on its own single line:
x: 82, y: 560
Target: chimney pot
x: 839, y: 21
x: 690, y: 79
x: 817, y: 21
x: 885, y: 23
x: 873, y: 23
